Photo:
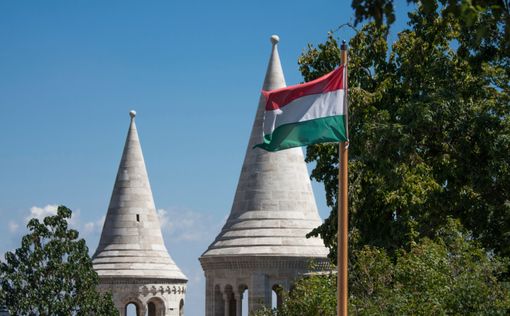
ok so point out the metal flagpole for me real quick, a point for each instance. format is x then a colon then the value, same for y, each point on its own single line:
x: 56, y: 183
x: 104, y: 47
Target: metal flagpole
x: 343, y: 225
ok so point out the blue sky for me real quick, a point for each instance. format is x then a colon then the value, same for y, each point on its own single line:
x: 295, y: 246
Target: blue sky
x: 70, y: 71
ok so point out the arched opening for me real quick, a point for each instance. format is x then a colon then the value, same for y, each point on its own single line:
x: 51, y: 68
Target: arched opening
x: 241, y: 301
x: 131, y: 309
x: 219, y: 305
x: 277, y: 296
x: 181, y: 307
x: 151, y: 308
x: 230, y: 301
x: 155, y: 307
x: 245, y: 302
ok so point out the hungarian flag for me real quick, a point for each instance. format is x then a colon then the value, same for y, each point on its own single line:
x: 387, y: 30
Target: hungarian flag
x: 309, y: 113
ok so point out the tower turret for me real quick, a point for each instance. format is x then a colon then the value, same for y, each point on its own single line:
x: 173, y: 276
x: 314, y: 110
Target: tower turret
x: 131, y: 259
x: 263, y: 244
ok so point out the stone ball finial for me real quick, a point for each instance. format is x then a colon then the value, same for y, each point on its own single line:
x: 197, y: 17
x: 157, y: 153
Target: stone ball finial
x: 275, y: 39
x: 132, y: 113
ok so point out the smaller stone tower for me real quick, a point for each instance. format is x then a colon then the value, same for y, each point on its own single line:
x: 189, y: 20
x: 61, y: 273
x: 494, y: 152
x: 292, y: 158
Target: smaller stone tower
x: 131, y: 260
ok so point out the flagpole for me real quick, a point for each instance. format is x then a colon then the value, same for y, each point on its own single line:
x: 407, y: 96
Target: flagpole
x: 343, y: 225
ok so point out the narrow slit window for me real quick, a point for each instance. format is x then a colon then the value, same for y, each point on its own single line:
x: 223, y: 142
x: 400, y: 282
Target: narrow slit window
x: 138, y: 217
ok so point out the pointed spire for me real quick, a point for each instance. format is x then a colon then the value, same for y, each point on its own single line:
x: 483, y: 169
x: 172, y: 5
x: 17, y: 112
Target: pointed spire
x: 274, y: 79
x: 131, y: 243
x: 274, y: 75
x: 274, y: 207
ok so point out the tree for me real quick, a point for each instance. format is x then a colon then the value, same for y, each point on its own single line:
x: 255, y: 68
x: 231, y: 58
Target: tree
x: 430, y: 136
x: 450, y: 274
x: 487, y: 20
x: 51, y: 273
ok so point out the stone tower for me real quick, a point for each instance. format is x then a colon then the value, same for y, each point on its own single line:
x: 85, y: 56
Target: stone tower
x: 262, y: 247
x: 131, y: 260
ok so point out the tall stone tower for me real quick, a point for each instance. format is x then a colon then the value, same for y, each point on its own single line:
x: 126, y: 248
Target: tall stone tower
x: 131, y: 260
x: 262, y: 246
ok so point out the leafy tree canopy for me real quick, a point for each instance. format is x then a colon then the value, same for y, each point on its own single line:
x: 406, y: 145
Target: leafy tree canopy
x: 430, y: 135
x: 495, y: 15
x: 448, y: 275
x: 51, y: 273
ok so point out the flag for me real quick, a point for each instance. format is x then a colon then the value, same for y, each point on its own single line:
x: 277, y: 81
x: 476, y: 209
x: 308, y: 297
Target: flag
x: 309, y: 113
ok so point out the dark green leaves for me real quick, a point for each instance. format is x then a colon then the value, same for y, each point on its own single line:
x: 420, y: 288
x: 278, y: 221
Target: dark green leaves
x: 487, y: 21
x: 51, y: 273
x: 429, y: 129
x: 449, y: 274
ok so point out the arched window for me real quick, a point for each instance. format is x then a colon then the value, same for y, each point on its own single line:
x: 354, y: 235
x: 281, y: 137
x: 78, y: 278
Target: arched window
x: 276, y: 298
x: 245, y: 305
x: 151, y: 307
x: 229, y: 299
x: 219, y: 305
x: 155, y: 307
x: 131, y: 309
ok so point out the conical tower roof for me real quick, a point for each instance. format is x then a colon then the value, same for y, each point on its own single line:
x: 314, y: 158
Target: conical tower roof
x: 274, y: 206
x: 131, y: 243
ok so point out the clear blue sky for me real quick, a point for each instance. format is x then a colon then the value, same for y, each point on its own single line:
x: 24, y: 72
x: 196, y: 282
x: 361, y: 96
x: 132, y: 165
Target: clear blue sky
x: 70, y: 71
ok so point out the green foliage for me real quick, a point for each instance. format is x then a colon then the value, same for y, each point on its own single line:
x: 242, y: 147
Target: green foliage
x: 311, y: 296
x: 51, y: 273
x: 430, y: 135
x: 450, y: 274
x: 487, y: 20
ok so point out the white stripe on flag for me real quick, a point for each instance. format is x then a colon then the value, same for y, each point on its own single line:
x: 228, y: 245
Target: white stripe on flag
x: 306, y: 108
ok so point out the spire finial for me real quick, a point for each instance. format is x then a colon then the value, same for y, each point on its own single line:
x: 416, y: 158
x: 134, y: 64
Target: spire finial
x: 275, y: 39
x: 132, y: 113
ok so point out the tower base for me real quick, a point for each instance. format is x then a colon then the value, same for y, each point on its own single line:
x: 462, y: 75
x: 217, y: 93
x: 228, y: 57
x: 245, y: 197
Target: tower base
x: 152, y: 297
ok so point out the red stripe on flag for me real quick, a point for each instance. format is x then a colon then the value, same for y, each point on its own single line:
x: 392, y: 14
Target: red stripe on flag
x: 277, y: 99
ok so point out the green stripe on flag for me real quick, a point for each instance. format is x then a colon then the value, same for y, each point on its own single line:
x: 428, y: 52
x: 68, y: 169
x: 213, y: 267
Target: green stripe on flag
x: 321, y: 130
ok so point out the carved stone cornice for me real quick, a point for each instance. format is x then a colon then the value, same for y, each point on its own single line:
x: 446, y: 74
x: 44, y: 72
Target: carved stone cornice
x: 264, y: 263
x: 140, y: 281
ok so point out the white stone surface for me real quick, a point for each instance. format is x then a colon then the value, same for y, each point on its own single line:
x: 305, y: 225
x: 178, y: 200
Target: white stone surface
x: 131, y: 259
x: 263, y: 243
x: 274, y: 206
x: 166, y: 295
